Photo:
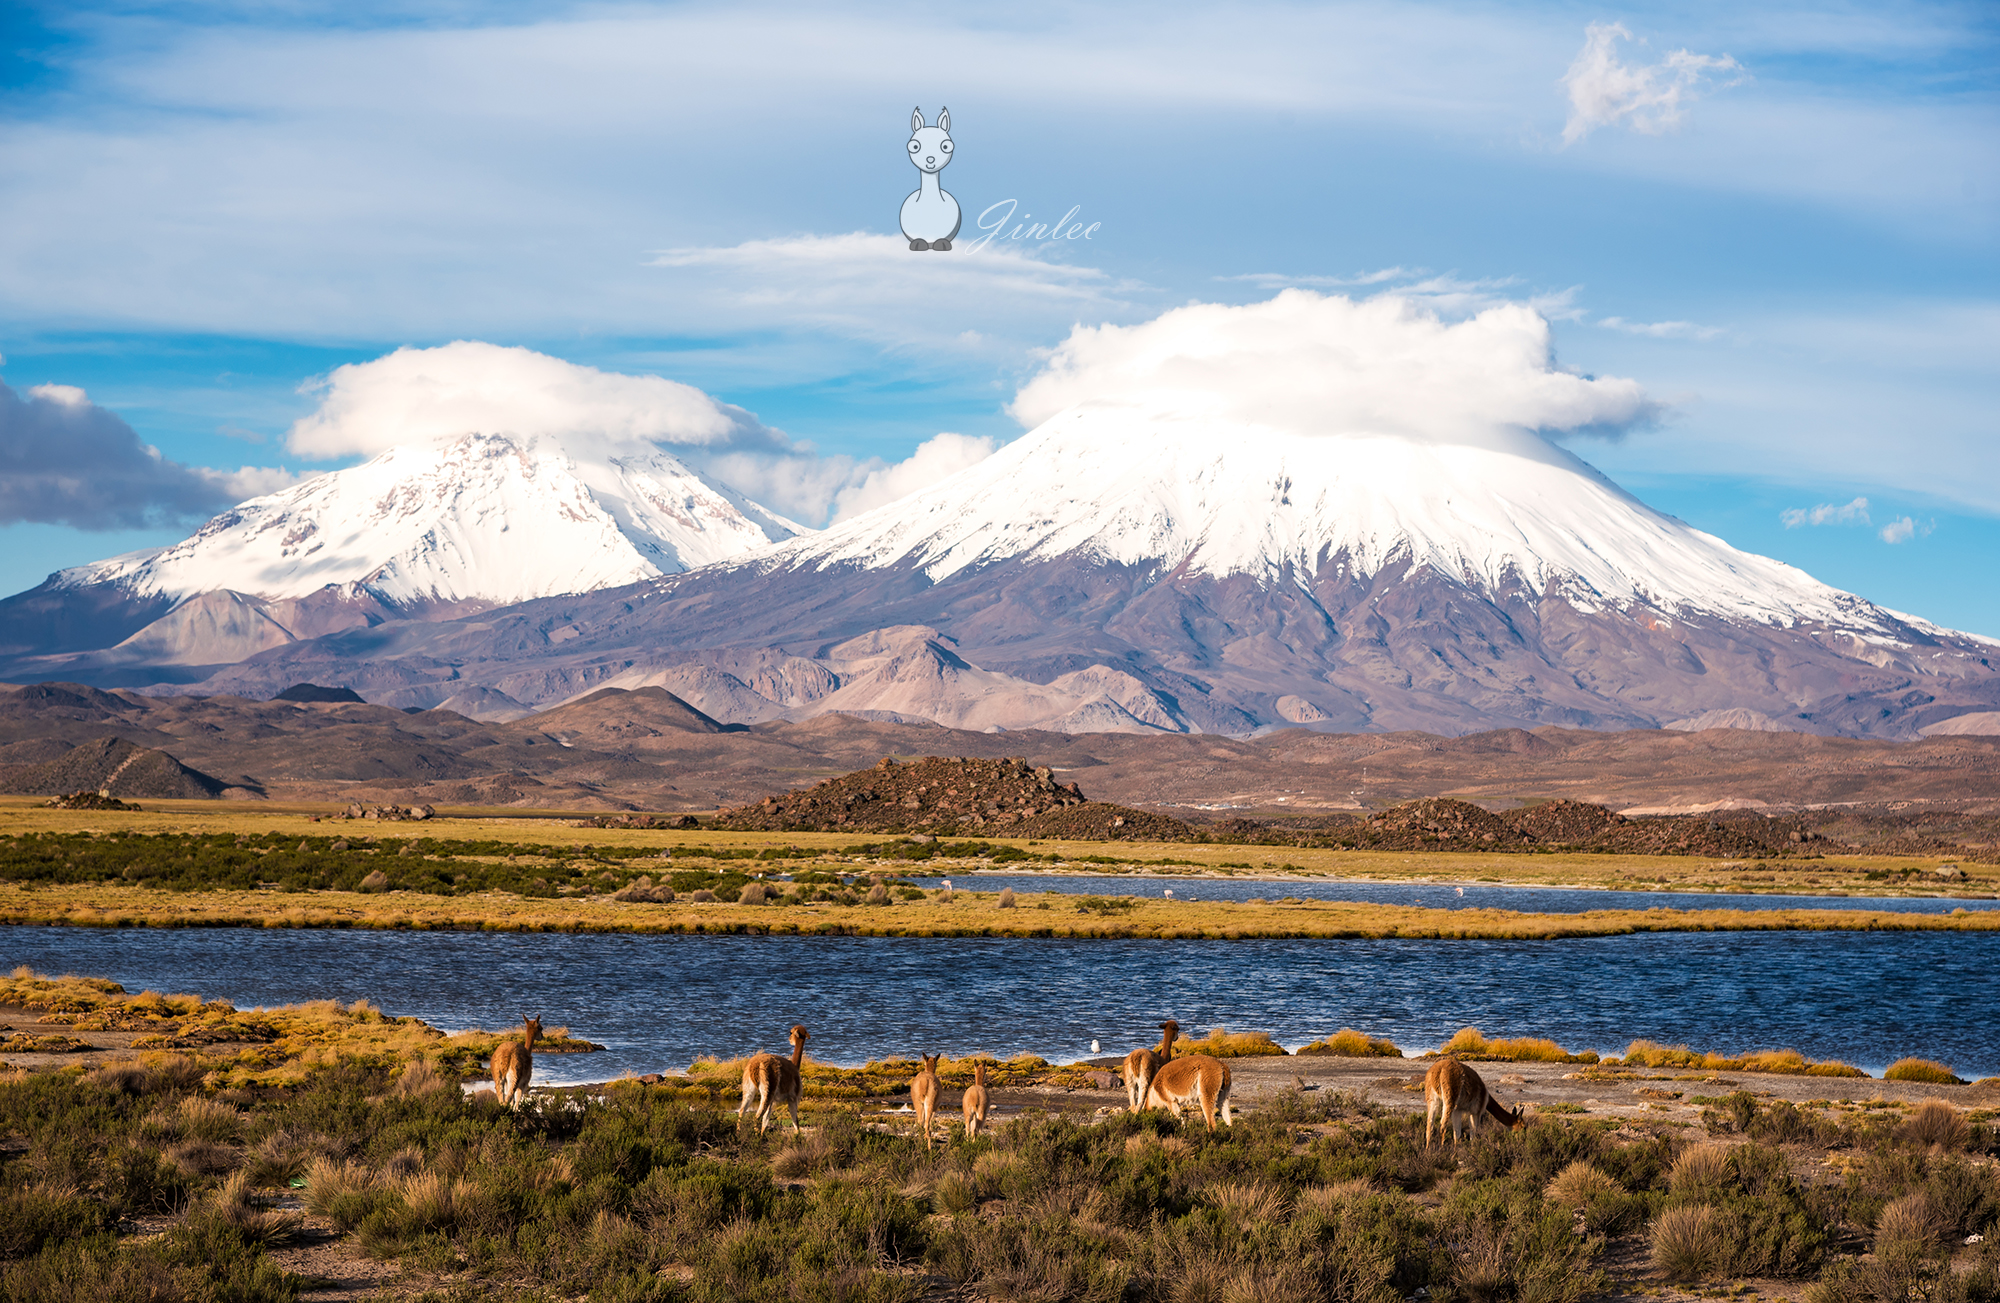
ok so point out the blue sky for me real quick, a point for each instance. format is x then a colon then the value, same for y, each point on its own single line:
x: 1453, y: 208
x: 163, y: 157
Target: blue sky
x: 1781, y: 220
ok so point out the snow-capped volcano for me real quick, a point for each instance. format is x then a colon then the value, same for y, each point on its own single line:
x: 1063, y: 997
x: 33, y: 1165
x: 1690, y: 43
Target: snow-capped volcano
x: 1132, y: 486
x: 483, y: 518
x: 430, y: 530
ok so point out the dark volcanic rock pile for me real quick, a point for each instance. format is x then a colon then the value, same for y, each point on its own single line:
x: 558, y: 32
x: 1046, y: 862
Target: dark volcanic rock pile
x: 934, y: 794
x: 1442, y: 824
x: 89, y: 801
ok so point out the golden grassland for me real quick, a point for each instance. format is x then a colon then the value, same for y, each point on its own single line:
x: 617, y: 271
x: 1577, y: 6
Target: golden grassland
x: 967, y: 914
x: 1848, y: 874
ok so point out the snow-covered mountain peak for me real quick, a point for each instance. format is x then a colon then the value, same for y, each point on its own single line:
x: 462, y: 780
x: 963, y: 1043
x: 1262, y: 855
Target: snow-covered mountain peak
x: 1135, y: 485
x: 484, y: 517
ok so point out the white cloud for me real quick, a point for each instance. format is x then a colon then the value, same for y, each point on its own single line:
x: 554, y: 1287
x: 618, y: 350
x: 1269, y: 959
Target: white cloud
x: 1660, y: 329
x: 420, y: 395
x: 1827, y: 513
x: 1652, y: 99
x: 416, y: 395
x: 1903, y: 529
x: 1389, y: 365
x: 935, y: 459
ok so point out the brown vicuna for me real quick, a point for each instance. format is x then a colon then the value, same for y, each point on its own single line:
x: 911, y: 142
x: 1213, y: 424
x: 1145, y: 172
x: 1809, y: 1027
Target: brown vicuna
x: 1196, y: 1079
x: 772, y: 1081
x: 923, y: 1095
x: 975, y: 1102
x: 1454, y: 1092
x: 1140, y: 1065
x: 514, y: 1064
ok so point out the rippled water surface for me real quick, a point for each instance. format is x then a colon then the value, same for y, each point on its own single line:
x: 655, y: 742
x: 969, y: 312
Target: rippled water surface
x: 657, y: 1002
x: 1445, y: 895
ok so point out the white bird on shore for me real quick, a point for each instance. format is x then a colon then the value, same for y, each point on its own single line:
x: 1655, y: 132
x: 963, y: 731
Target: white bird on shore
x: 1170, y: 893
x: 1093, y: 1047
x: 1461, y: 891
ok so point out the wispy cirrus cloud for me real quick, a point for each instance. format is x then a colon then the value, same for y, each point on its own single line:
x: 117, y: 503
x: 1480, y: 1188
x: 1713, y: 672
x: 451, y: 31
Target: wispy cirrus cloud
x: 1660, y: 329
x: 1650, y: 98
x: 1903, y: 529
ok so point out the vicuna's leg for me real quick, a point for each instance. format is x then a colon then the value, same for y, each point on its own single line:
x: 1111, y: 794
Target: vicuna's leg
x: 1228, y: 1117
x: 793, y: 1104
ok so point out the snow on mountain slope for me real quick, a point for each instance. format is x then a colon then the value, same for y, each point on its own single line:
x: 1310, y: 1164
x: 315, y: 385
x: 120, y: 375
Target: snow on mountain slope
x: 485, y: 518
x: 1135, y: 486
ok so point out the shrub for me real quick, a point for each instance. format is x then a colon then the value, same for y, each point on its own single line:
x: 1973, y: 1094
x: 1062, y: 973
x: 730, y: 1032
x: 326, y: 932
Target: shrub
x: 753, y: 893
x: 1352, y: 1044
x: 1006, y: 898
x: 1701, y: 1170
x: 1225, y: 1044
x: 1913, y: 1218
x: 1468, y: 1042
x: 1688, y: 1243
x: 1924, y: 1070
x: 1579, y: 1183
x: 703, y: 896
x: 375, y: 881
x: 877, y: 895
x: 1935, y: 1122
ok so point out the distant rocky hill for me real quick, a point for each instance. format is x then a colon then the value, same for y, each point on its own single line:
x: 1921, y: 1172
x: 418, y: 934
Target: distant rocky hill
x: 116, y: 768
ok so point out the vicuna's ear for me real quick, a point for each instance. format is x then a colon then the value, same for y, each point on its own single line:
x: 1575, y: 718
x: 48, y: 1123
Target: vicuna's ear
x: 944, y: 121
x: 916, y: 119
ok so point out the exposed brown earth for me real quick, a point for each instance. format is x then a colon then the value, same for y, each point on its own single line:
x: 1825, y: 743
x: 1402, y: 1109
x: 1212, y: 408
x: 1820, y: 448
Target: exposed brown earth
x: 649, y: 751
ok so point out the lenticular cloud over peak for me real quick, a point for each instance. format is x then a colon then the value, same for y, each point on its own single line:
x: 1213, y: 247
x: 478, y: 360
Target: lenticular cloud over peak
x: 417, y: 396
x: 1311, y: 364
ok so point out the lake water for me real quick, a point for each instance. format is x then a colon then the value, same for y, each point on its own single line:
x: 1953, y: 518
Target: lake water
x: 659, y: 1001
x: 1440, y: 895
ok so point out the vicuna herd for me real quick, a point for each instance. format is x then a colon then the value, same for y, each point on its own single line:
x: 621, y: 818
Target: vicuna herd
x: 1455, y: 1099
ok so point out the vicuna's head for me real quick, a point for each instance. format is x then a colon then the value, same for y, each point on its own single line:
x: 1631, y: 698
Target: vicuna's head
x: 1517, y: 1117
x: 1170, y: 1031
x: 930, y: 147
x: 533, y: 1026
x: 930, y: 1061
x: 799, y: 1035
x: 979, y: 1073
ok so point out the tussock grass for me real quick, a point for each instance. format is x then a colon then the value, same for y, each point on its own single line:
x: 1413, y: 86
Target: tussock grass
x: 1914, y: 1218
x: 1689, y: 1243
x: 1469, y: 1043
x: 1348, y: 1043
x: 1924, y: 1070
x: 967, y: 914
x: 1221, y: 1043
x: 1934, y: 1122
x: 1581, y: 1183
x: 1651, y: 1054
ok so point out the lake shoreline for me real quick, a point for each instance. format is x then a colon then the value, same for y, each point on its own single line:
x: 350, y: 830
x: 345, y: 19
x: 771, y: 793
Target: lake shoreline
x: 976, y: 915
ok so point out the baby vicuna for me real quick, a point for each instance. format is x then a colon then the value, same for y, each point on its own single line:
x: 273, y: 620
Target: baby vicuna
x: 514, y: 1064
x: 1454, y: 1093
x: 771, y: 1081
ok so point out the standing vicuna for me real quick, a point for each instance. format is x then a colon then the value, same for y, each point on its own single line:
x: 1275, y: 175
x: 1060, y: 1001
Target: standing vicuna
x: 975, y: 1102
x: 1453, y: 1091
x: 514, y: 1064
x: 772, y: 1081
x: 1196, y: 1079
x: 923, y: 1095
x: 1140, y: 1065
x: 930, y: 215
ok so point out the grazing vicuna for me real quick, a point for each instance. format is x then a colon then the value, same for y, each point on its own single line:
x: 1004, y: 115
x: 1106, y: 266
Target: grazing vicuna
x: 1453, y: 1092
x: 514, y: 1064
x: 923, y: 1095
x: 772, y: 1081
x: 1140, y: 1065
x: 975, y: 1102
x: 1196, y: 1079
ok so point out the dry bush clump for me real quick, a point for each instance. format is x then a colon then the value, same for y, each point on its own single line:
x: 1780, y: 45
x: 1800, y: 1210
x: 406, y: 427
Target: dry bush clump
x: 238, y: 1206
x: 1929, y: 1071
x: 1579, y: 1184
x: 1469, y: 1043
x: 1221, y: 1043
x: 1006, y: 898
x: 1688, y: 1243
x: 1700, y: 1170
x: 1349, y: 1043
x: 1915, y: 1218
x: 1934, y: 1122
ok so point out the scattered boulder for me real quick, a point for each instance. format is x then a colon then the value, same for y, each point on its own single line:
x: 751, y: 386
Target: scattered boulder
x: 390, y: 813
x: 88, y: 801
